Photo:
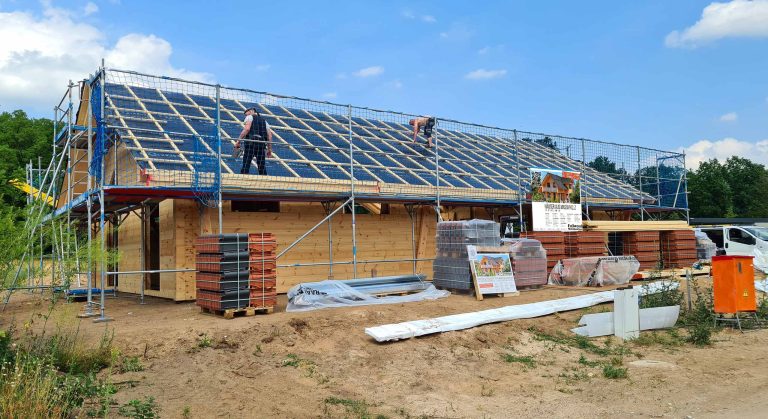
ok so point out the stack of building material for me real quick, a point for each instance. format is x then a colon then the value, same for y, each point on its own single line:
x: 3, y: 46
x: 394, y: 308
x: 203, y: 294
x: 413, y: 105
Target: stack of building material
x: 644, y: 246
x: 235, y: 272
x: 529, y: 262
x: 585, y: 243
x: 553, y: 242
x: 705, y: 247
x: 262, y: 248
x: 678, y: 248
x: 451, y: 266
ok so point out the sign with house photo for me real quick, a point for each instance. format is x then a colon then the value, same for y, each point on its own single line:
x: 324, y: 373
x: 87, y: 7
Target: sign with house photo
x: 556, y: 199
x: 491, y: 270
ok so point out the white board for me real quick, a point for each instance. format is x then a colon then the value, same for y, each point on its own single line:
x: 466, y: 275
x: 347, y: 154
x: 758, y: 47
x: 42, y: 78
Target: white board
x: 549, y: 216
x: 492, y: 271
x: 601, y: 324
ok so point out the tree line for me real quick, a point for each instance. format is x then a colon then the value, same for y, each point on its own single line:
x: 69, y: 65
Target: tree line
x: 736, y: 187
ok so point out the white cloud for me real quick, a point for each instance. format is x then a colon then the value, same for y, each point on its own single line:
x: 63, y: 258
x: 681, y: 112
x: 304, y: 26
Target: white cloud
x: 90, y: 8
x: 341, y: 76
x: 490, y: 49
x: 704, y: 150
x: 736, y: 19
x: 483, y: 74
x: 396, y: 84
x: 408, y: 14
x: 729, y: 117
x: 428, y: 19
x: 263, y: 67
x: 457, y: 32
x: 39, y: 54
x: 330, y: 95
x: 369, y: 71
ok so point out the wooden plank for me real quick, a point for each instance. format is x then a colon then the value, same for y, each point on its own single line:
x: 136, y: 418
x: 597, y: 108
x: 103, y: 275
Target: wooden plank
x: 635, y: 225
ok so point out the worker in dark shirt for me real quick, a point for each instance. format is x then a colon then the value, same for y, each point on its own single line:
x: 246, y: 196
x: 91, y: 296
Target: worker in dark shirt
x: 428, y: 123
x: 258, y: 141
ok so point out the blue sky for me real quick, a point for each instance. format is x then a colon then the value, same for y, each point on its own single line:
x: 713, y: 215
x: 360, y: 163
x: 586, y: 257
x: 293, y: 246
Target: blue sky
x: 602, y: 69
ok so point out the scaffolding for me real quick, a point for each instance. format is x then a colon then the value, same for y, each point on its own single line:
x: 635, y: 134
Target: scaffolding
x: 135, y: 138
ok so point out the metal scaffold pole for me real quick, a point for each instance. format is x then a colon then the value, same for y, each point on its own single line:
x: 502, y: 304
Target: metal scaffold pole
x: 437, y: 174
x: 640, y: 185
x: 89, y: 223
x: 218, y: 160
x: 584, y: 184
x: 685, y: 184
x: 102, y: 209
x: 520, y: 191
x: 352, y: 192
x: 143, y: 220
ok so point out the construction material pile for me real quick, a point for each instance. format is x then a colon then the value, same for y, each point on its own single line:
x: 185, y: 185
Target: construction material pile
x: 235, y: 271
x: 705, y: 247
x: 644, y: 246
x: 553, y: 242
x: 529, y: 261
x: 678, y: 248
x: 360, y: 292
x: 594, y: 271
x: 451, y: 266
x: 585, y: 243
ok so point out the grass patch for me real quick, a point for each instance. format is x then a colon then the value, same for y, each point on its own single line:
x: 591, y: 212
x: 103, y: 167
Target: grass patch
x: 358, y: 408
x: 614, y: 372
x: 140, y: 409
x: 584, y: 361
x: 53, y: 376
x: 580, y: 342
x: 204, y: 341
x: 527, y: 360
x: 669, y: 338
x: 131, y: 364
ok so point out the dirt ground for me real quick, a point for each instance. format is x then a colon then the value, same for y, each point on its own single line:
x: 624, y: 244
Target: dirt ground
x: 321, y: 364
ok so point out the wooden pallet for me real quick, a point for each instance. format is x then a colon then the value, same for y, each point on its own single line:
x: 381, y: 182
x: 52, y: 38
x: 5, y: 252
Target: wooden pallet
x: 231, y: 313
x: 669, y: 273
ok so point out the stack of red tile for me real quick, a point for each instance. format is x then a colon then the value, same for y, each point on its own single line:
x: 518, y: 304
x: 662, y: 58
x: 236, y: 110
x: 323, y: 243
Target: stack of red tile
x: 585, y: 243
x: 236, y: 271
x: 262, y: 248
x: 552, y: 241
x: 529, y: 262
x: 678, y: 248
x: 645, y: 246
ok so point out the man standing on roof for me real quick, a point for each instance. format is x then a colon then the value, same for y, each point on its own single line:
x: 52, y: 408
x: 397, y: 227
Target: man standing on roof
x: 258, y: 142
x: 428, y: 123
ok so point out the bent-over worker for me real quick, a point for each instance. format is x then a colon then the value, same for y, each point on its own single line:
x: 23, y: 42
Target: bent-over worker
x: 428, y: 123
x: 258, y: 141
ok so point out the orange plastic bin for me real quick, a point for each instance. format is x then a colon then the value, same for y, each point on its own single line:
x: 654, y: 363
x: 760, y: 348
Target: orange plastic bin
x: 734, y: 284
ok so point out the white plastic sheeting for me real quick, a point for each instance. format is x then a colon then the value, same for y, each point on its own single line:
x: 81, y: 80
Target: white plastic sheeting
x: 330, y: 293
x: 601, y: 324
x: 594, y: 271
x: 761, y: 259
x: 461, y: 321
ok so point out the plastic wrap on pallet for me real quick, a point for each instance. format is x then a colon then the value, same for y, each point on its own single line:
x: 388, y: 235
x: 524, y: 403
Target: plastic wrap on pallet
x: 705, y: 247
x: 451, y: 264
x: 594, y: 271
x: 331, y: 293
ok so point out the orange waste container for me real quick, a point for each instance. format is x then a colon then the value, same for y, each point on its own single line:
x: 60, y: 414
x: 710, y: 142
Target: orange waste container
x: 734, y: 284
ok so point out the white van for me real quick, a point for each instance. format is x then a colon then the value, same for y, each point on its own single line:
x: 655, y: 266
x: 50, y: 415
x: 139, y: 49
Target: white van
x: 738, y: 240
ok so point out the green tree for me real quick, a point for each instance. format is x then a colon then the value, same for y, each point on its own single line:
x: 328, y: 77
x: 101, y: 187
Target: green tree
x: 21, y: 139
x: 709, y: 191
x: 605, y: 165
x: 749, y: 187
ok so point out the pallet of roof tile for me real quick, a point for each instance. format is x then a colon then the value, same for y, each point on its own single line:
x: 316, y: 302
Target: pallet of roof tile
x: 231, y: 313
x: 263, y: 284
x: 262, y: 242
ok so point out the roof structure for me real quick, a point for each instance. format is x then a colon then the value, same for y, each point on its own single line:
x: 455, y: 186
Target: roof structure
x: 168, y: 133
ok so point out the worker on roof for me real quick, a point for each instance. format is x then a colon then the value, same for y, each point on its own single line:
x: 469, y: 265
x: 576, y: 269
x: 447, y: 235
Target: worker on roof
x: 258, y: 142
x: 428, y: 123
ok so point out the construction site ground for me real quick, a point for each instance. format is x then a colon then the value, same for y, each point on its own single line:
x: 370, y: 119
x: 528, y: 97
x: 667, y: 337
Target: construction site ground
x: 322, y: 364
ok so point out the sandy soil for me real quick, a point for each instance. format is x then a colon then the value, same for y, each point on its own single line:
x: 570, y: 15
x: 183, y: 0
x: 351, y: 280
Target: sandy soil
x: 451, y: 375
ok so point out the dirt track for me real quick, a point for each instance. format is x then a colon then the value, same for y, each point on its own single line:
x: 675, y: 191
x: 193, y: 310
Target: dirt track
x: 289, y: 365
